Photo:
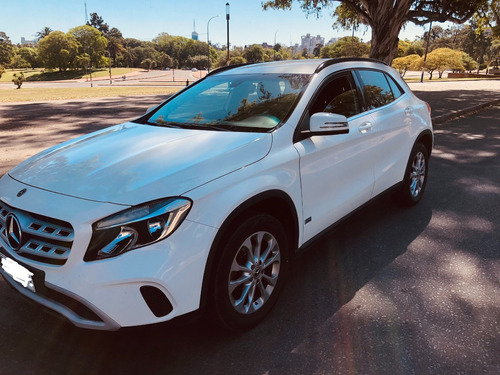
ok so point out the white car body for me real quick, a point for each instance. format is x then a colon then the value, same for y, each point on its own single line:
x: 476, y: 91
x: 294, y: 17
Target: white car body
x: 321, y: 179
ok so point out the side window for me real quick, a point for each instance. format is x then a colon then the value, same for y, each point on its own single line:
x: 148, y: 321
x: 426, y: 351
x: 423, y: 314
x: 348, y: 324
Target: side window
x: 338, y: 96
x: 376, y: 89
x: 396, y: 89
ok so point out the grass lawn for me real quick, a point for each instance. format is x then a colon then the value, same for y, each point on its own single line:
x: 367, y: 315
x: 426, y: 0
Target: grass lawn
x: 9, y: 74
x: 45, y: 75
x: 44, y: 94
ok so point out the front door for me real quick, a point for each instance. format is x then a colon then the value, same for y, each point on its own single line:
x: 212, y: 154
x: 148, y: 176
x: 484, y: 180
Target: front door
x: 337, y: 171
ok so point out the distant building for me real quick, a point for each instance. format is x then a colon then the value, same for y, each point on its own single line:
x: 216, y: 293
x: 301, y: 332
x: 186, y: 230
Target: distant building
x: 27, y: 42
x: 194, y: 34
x: 308, y: 42
x: 332, y: 41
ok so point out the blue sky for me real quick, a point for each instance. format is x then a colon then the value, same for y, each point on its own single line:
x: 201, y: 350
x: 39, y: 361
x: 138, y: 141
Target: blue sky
x: 145, y: 19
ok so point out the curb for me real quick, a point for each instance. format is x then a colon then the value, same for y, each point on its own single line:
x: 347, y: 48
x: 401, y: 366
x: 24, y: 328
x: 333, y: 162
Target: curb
x: 462, y: 112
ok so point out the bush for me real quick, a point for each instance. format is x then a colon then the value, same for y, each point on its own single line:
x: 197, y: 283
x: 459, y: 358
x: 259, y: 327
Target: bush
x: 18, y: 79
x: 402, y: 64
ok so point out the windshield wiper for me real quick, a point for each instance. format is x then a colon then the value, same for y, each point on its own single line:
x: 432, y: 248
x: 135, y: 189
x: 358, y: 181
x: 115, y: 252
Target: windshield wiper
x: 175, y: 125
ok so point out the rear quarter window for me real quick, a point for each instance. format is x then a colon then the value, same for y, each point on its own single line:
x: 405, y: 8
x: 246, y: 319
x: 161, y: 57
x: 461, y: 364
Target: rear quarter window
x: 376, y: 89
x: 397, y: 91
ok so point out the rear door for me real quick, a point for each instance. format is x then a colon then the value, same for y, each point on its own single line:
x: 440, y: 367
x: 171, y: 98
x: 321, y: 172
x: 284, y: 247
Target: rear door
x: 391, y: 110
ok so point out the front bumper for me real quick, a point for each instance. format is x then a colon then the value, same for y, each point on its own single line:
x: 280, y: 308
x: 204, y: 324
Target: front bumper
x: 148, y: 285
x: 79, y: 312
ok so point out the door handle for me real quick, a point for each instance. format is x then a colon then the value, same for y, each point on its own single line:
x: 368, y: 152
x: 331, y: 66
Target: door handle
x: 365, y: 127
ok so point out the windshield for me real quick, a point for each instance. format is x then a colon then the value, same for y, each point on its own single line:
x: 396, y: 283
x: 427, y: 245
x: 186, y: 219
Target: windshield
x: 253, y: 102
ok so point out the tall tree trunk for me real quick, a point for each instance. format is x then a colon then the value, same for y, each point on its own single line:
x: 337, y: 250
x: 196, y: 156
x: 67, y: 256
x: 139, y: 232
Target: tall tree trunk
x: 384, y: 44
x: 387, y: 17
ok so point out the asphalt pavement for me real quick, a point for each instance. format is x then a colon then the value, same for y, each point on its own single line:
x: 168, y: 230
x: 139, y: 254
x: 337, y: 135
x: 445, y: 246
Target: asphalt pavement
x: 451, y: 99
x: 390, y: 291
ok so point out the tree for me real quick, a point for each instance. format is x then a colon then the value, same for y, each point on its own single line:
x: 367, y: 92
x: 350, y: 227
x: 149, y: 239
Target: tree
x: 317, y: 49
x: 254, y: 54
x: 19, y: 63
x: 43, y: 33
x: 180, y: 48
x: 128, y: 56
x: 97, y: 22
x: 405, y: 63
x: 236, y: 60
x: 6, y: 49
x: 92, y: 42
x: 387, y: 17
x: 468, y: 62
x: 417, y: 47
x: 344, y: 47
x: 199, y: 62
x: 18, y: 79
x: 147, y: 64
x: 30, y: 55
x: 58, y: 50
x: 489, y: 16
x: 475, y: 40
x: 442, y: 59
x: 115, y: 43
x: 2, y: 71
x: 165, y: 61
x: 403, y: 47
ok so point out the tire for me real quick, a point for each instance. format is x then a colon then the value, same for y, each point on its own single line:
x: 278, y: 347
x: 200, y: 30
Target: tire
x: 251, y: 272
x: 415, y: 178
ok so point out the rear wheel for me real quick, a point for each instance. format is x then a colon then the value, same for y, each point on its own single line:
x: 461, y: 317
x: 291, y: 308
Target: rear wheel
x: 415, y: 178
x: 250, y: 273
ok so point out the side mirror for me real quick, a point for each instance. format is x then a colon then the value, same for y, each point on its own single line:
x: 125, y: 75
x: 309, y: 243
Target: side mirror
x: 323, y: 123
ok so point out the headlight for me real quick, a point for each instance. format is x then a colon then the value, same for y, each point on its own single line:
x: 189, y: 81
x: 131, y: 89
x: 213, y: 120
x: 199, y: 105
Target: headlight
x: 136, y: 227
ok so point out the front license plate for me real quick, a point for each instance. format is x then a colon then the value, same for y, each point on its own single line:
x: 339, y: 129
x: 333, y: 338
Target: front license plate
x: 19, y: 273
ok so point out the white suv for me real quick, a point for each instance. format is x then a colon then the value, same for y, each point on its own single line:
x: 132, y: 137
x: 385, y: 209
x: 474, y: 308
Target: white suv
x: 200, y: 204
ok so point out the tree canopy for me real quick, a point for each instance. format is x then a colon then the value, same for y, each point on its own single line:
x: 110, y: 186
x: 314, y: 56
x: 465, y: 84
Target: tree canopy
x: 387, y: 17
x: 97, y: 22
x: 345, y: 46
x: 6, y: 50
x: 58, y: 50
x: 91, y: 42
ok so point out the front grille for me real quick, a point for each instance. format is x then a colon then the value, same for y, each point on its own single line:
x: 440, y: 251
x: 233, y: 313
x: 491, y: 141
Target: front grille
x: 42, y: 238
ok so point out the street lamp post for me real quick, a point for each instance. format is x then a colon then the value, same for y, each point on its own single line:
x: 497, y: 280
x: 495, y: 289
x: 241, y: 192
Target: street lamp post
x: 208, y: 40
x: 227, y: 20
x: 274, y: 46
x: 426, y: 50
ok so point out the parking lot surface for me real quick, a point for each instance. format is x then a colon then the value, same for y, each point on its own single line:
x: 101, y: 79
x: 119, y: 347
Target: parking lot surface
x: 390, y: 291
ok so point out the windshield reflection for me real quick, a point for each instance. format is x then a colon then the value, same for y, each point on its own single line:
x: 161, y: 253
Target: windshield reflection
x: 256, y: 102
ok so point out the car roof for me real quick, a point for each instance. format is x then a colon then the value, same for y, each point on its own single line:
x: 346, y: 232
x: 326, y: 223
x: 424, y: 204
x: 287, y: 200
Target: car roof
x: 289, y: 66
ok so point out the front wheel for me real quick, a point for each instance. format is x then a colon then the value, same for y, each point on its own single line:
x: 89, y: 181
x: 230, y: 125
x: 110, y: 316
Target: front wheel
x: 250, y: 273
x: 415, y: 178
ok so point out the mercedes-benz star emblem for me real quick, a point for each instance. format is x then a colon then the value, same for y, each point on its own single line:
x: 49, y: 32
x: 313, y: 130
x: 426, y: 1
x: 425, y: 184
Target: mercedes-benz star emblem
x: 21, y: 193
x: 14, y: 233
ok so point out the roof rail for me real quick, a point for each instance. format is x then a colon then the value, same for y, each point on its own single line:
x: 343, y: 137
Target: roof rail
x: 227, y: 67
x: 329, y: 62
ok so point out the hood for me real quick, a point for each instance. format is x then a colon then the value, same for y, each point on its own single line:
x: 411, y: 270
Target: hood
x: 133, y: 163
